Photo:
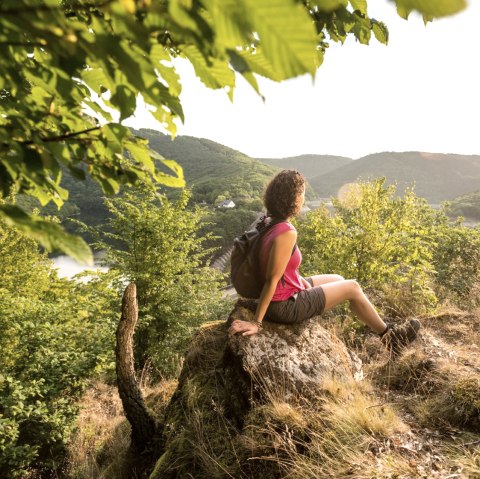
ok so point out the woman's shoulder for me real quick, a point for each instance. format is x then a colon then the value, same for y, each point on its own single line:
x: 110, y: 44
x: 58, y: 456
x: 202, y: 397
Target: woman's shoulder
x: 282, y: 227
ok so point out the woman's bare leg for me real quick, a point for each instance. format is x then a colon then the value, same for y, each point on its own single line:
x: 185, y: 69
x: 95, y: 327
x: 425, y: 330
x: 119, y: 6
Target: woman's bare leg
x: 320, y: 279
x: 349, y: 290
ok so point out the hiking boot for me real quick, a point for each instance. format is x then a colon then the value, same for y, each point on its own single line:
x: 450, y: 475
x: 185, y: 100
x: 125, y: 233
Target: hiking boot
x: 399, y: 336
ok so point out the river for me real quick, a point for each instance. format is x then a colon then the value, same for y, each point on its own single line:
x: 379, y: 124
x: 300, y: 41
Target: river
x: 68, y: 267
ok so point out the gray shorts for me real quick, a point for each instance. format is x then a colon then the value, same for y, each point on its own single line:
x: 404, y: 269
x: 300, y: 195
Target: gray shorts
x: 301, y: 306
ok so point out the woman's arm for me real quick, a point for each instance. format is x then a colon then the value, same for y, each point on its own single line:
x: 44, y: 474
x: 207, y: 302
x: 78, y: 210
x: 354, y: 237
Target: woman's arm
x: 277, y: 263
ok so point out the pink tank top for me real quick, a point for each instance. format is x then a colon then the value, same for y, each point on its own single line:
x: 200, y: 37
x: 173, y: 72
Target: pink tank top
x: 290, y: 282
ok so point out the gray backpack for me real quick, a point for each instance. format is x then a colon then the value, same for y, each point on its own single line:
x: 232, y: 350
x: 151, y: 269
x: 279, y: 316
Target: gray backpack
x: 245, y: 265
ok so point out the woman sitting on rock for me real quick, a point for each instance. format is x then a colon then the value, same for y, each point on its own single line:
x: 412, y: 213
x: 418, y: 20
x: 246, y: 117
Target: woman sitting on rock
x: 286, y: 296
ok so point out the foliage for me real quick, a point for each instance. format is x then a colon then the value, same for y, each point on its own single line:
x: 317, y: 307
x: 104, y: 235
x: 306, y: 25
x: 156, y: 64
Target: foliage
x: 408, y: 253
x: 155, y: 245
x: 375, y: 238
x: 55, y: 335
x: 467, y: 205
x: 224, y: 224
x: 457, y: 263
x: 64, y: 63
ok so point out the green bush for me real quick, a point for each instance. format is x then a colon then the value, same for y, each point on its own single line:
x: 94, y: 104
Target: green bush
x: 373, y: 237
x: 55, y: 335
x: 457, y: 264
x: 405, y: 253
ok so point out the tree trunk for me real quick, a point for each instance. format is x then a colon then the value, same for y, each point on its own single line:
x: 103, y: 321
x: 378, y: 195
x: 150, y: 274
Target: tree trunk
x: 143, y: 425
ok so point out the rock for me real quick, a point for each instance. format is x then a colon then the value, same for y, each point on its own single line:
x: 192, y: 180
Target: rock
x: 291, y: 361
x: 224, y: 378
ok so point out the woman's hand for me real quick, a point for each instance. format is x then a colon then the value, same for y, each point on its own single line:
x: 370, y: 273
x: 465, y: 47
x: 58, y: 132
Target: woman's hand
x: 245, y: 327
x: 305, y: 283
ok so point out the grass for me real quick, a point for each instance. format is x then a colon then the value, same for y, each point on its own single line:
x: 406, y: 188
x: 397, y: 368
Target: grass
x: 100, y: 447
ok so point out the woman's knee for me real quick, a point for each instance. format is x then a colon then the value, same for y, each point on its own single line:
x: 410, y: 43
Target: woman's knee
x: 354, y: 288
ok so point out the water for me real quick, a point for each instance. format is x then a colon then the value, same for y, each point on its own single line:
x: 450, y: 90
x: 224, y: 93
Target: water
x: 68, y: 267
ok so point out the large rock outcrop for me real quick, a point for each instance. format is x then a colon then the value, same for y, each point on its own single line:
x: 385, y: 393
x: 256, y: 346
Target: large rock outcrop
x: 291, y: 361
x: 227, y: 378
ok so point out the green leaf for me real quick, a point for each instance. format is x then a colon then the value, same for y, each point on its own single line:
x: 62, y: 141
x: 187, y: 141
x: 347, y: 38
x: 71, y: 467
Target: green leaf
x: 380, y: 31
x: 403, y: 12
x: 179, y: 11
x: 329, y: 5
x: 159, y: 54
x: 214, y: 74
x: 230, y: 22
x: 259, y: 63
x: 50, y: 235
x: 97, y: 80
x: 362, y: 29
x: 125, y: 99
x: 141, y: 154
x: 177, y: 181
x: 430, y: 9
x: 287, y: 35
x: 360, y: 5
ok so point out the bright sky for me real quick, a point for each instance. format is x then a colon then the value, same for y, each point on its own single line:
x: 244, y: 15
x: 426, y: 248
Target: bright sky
x: 421, y: 92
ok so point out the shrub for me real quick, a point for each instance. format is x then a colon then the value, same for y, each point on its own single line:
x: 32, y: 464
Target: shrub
x: 382, y: 241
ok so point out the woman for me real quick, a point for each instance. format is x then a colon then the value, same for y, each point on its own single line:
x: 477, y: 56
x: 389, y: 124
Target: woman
x: 286, y: 296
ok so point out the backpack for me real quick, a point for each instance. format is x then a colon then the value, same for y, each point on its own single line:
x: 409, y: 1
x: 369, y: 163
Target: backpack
x: 245, y: 267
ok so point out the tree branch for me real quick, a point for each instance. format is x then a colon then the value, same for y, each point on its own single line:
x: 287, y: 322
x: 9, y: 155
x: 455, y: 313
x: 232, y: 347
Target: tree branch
x: 63, y: 137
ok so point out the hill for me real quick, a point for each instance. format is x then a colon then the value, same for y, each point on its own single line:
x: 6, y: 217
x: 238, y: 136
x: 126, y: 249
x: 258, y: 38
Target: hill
x: 309, y: 165
x: 212, y: 169
x: 437, y: 177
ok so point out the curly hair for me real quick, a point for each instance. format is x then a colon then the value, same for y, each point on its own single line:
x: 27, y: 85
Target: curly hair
x: 282, y: 195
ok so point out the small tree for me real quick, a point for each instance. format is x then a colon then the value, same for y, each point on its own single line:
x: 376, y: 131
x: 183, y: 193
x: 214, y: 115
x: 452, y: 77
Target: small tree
x: 154, y: 243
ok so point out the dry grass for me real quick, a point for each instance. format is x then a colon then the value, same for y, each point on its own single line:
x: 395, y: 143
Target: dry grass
x: 99, y: 448
x: 344, y: 437
x: 469, y: 462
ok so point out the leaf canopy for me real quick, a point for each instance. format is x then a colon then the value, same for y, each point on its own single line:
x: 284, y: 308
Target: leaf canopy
x: 65, y: 65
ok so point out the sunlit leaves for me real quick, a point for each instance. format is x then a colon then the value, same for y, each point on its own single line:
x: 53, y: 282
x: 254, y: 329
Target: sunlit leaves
x: 50, y: 235
x: 286, y: 34
x: 212, y: 72
x: 360, y: 5
x: 380, y: 31
x: 430, y: 9
x: 175, y: 179
x: 362, y: 29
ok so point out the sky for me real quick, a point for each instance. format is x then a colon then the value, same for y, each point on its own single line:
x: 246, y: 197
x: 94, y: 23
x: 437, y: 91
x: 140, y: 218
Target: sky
x: 419, y: 93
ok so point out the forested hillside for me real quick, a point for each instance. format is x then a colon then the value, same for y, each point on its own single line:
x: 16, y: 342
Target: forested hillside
x: 309, y: 165
x: 213, y: 172
x: 436, y: 177
x: 212, y: 169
